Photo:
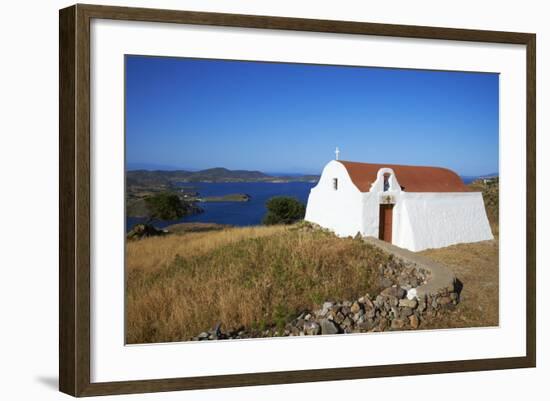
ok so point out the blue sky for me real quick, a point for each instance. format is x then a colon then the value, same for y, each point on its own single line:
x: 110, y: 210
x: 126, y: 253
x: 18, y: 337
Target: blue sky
x: 288, y: 118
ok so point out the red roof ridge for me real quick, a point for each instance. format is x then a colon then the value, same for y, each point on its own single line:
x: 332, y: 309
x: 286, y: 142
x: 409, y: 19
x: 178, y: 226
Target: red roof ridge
x: 411, y: 178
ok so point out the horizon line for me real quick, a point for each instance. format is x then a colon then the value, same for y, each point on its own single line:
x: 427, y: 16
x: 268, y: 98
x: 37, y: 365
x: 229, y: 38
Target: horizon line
x: 272, y: 173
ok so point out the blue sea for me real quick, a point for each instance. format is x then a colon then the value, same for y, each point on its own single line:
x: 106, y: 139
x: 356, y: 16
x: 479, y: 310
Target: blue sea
x: 235, y: 213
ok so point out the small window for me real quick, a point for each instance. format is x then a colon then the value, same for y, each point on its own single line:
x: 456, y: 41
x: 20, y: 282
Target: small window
x: 335, y: 183
x: 386, y: 181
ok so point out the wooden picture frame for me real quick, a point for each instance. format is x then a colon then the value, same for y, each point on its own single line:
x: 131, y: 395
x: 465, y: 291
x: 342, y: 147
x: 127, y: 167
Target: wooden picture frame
x: 74, y: 203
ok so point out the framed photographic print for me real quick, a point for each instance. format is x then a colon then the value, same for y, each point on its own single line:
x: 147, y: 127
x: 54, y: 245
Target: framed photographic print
x: 240, y: 195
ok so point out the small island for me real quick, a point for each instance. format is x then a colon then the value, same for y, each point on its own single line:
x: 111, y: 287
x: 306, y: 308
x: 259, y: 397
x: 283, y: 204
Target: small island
x: 226, y: 198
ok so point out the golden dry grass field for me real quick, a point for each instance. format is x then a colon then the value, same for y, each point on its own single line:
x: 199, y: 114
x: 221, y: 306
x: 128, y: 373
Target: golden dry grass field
x: 182, y: 284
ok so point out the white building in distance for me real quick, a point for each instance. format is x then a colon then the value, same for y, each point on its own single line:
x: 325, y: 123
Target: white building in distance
x: 409, y: 206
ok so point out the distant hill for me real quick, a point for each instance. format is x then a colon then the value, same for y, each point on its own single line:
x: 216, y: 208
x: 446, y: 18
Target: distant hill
x: 218, y: 174
x: 491, y: 175
x: 154, y: 166
x: 225, y: 175
x: 490, y: 191
x: 468, y: 179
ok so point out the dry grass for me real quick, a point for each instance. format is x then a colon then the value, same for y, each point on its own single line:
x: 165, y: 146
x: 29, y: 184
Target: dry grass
x: 181, y: 285
x: 490, y: 192
x: 476, y: 266
x: 158, y: 252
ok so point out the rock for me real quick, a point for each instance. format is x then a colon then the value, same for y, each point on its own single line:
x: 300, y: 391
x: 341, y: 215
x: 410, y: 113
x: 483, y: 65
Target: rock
x: 381, y: 268
x: 143, y: 231
x: 406, y: 312
x: 328, y: 305
x: 204, y: 335
x: 393, y: 301
x: 444, y: 300
x: 370, y: 313
x: 368, y: 303
x: 401, y: 293
x: 365, y: 326
x: 385, y: 282
x: 387, y: 292
x: 328, y: 327
x: 379, y: 301
x: 398, y: 323
x: 411, y: 294
x: 413, y: 321
x: 408, y: 303
x: 397, y: 292
x: 347, y: 322
x: 339, y: 317
x: 356, y: 307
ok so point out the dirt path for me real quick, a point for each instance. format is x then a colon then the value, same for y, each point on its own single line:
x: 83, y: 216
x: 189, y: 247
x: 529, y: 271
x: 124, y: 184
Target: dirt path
x: 476, y: 266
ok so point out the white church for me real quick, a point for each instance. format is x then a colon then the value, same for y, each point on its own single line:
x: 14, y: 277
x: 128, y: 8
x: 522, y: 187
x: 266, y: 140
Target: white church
x: 409, y: 206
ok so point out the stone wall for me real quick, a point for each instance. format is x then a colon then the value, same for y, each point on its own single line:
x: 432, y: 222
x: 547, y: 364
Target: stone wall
x: 415, y: 289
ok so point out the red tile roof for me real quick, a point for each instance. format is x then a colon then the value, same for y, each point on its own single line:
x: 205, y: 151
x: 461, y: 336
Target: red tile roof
x: 411, y: 178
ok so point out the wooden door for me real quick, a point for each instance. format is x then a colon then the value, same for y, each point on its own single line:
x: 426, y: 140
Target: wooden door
x: 385, y: 222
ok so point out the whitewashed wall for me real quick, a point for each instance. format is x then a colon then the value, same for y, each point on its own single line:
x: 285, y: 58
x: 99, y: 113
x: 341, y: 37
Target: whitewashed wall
x: 339, y: 210
x: 435, y: 220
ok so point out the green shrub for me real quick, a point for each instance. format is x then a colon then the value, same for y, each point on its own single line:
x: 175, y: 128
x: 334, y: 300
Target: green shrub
x: 164, y: 206
x: 283, y: 210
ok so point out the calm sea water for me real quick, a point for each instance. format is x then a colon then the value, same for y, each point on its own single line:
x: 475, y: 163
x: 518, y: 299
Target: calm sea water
x: 235, y: 213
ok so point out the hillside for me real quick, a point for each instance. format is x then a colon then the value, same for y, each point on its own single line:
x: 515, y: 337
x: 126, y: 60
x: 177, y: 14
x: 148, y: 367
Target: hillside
x: 489, y: 188
x: 255, y: 277
x: 148, y: 178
